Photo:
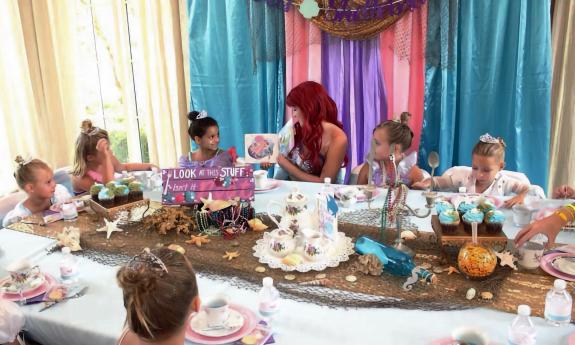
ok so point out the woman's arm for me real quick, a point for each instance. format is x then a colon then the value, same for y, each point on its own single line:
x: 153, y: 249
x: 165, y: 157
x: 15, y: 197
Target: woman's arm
x: 82, y: 183
x: 332, y: 164
x: 548, y: 226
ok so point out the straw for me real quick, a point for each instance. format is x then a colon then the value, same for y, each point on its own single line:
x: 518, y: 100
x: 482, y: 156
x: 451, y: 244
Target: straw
x: 474, y: 232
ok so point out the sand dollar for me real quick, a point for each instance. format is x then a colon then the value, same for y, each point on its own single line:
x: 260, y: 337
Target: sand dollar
x: 260, y: 269
x: 289, y: 277
x: 320, y: 276
x: 351, y: 278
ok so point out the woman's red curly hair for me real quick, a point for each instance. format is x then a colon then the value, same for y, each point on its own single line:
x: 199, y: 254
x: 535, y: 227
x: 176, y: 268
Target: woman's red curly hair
x: 316, y: 106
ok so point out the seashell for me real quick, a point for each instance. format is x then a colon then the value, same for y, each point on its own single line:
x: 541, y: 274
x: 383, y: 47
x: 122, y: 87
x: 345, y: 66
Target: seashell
x: 438, y: 269
x: 256, y: 224
x: 425, y: 265
x: 260, y: 269
x: 177, y: 248
x: 320, y: 276
x: 317, y: 282
x: 289, y: 277
x: 486, y: 295
x: 408, y: 235
x: 470, y: 294
x: 351, y: 278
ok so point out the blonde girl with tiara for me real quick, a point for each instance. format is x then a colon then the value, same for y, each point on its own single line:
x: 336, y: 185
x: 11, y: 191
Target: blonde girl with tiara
x: 94, y: 161
x: 387, y: 135
x: 484, y: 177
x: 160, y: 293
x: 36, y: 179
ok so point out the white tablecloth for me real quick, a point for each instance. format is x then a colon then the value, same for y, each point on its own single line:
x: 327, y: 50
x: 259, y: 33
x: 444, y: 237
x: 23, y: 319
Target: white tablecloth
x: 97, y: 318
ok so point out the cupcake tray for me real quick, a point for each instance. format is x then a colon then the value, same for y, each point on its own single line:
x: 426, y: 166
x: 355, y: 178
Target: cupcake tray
x: 452, y: 242
x: 112, y: 213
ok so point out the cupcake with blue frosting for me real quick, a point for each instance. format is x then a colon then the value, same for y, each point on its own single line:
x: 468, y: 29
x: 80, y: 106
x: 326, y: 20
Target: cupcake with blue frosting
x: 443, y: 205
x: 465, y: 206
x: 449, y: 220
x: 106, y: 197
x: 472, y: 216
x: 94, y: 190
x: 494, y: 220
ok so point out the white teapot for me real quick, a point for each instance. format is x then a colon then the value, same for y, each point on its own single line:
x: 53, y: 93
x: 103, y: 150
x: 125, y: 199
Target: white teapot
x: 295, y: 214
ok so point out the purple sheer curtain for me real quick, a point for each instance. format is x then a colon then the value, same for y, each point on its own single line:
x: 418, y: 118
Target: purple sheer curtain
x: 352, y: 74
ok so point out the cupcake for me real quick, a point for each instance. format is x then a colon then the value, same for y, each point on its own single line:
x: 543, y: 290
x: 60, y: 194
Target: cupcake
x: 443, y: 205
x: 494, y: 220
x: 449, y: 220
x: 126, y: 180
x: 136, y: 193
x: 472, y: 216
x: 121, y: 193
x: 486, y: 205
x: 95, y: 189
x: 106, y: 197
x: 465, y: 206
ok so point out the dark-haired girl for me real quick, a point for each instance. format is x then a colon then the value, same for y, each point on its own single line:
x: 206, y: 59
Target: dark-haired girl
x: 385, y: 135
x: 320, y: 143
x: 205, y: 132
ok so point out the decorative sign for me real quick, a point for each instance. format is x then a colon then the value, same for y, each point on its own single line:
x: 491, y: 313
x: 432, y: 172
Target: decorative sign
x: 189, y: 185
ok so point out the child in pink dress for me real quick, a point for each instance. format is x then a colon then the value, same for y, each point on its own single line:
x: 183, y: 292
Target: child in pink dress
x: 485, y: 176
x: 385, y: 135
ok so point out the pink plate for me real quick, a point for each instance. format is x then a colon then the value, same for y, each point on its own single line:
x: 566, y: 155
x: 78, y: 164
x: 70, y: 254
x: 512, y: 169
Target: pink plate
x: 250, y: 322
x: 571, y: 339
x: 29, y: 293
x: 272, y: 184
x: 546, y: 265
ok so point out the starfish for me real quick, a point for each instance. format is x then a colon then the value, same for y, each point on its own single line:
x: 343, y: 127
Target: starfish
x: 506, y: 258
x: 198, y: 240
x: 452, y: 269
x: 231, y: 255
x: 109, y: 228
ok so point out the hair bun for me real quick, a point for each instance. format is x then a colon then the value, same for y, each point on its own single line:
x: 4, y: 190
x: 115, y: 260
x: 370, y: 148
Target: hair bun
x: 404, y: 118
x: 86, y: 126
x: 19, y: 160
x: 141, y: 280
x: 193, y: 115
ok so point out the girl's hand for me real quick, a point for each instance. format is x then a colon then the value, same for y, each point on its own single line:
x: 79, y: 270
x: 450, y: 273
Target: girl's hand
x: 153, y: 167
x: 518, y: 199
x: 282, y: 160
x: 564, y: 192
x: 549, y: 226
x: 266, y: 165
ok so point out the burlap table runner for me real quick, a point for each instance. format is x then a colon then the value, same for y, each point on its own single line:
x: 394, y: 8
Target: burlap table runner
x: 509, y: 288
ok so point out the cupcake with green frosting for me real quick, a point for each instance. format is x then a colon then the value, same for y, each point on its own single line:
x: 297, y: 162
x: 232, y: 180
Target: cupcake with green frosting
x: 136, y: 192
x: 121, y: 193
x: 494, y: 220
x: 106, y: 197
x: 472, y: 216
x: 449, y: 220
x: 486, y: 205
x: 94, y: 190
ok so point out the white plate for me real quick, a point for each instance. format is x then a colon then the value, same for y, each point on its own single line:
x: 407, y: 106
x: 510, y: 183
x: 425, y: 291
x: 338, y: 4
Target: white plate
x: 565, y: 265
x: 233, y: 324
x: 272, y: 184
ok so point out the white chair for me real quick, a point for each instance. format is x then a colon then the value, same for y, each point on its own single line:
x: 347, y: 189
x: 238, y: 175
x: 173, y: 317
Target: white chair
x: 354, y: 174
x: 8, y: 202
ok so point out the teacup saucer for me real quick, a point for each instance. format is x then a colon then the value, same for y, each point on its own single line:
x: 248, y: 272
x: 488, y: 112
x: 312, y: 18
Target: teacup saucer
x: 271, y: 185
x: 199, y: 324
x: 8, y: 286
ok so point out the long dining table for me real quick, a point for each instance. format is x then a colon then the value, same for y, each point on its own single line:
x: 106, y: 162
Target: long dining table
x: 98, y: 317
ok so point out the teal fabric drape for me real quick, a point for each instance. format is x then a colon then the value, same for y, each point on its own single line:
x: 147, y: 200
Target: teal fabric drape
x: 500, y: 83
x: 234, y: 77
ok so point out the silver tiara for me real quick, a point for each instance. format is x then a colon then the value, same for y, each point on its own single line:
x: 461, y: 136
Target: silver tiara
x: 488, y: 139
x: 149, y: 259
x: 202, y: 115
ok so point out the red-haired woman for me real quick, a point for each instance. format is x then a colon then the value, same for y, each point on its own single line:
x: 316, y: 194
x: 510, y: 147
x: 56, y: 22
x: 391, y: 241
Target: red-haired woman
x: 320, y: 143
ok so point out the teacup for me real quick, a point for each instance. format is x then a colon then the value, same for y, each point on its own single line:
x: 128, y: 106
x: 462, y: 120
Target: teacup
x: 240, y: 162
x: 316, y: 247
x: 521, y: 215
x: 281, y: 242
x: 22, y: 271
x: 469, y: 335
x: 69, y: 211
x: 261, y: 179
x: 530, y: 254
x: 217, y: 311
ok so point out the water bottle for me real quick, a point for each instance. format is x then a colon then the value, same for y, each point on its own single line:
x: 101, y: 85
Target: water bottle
x: 327, y: 188
x: 269, y: 298
x: 522, y: 330
x: 69, y: 268
x: 558, y: 304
